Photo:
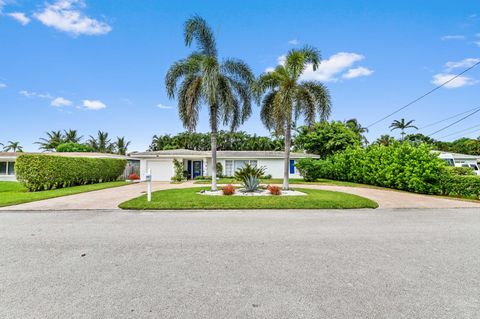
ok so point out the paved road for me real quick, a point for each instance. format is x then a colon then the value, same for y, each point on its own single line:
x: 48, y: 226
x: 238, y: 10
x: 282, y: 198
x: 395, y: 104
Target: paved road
x: 268, y: 264
x: 110, y: 198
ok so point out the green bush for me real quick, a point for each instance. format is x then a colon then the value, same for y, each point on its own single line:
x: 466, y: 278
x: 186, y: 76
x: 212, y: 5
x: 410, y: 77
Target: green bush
x: 179, y: 171
x: 309, y: 168
x: 461, y: 171
x: 248, y: 171
x: 461, y: 186
x: 44, y: 172
x: 400, y: 166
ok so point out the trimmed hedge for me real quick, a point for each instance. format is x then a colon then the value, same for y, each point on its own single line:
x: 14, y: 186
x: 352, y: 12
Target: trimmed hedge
x: 399, y: 166
x: 44, y: 172
x: 461, y: 186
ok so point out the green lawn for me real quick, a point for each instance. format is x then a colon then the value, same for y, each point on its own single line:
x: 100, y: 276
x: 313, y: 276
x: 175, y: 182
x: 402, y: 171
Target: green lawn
x: 12, y: 193
x: 292, y: 181
x: 189, y: 198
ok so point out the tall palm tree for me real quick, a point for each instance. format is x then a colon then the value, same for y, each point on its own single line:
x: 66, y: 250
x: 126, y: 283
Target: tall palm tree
x: 356, y: 127
x: 402, y: 125
x: 13, y: 147
x: 101, y: 143
x: 121, y: 145
x: 224, y: 86
x: 50, y: 143
x: 286, y: 98
x: 71, y: 136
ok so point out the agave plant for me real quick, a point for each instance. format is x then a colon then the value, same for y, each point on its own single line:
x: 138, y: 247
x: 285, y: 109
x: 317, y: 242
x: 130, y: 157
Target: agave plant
x: 251, y: 184
x: 249, y: 171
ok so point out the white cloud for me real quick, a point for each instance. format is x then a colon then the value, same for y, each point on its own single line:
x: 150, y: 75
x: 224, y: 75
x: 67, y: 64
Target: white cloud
x: 165, y: 107
x: 20, y: 17
x: 331, y: 67
x: 293, y: 42
x: 452, y: 37
x: 67, y: 16
x: 2, y: 4
x: 465, y: 63
x: 2, y: 85
x: 60, y: 101
x: 357, y: 72
x: 94, y: 104
x: 440, y: 78
x: 35, y: 94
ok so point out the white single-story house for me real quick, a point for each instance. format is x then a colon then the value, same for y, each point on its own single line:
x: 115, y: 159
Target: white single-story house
x: 199, y: 163
x: 7, y: 162
x: 460, y: 160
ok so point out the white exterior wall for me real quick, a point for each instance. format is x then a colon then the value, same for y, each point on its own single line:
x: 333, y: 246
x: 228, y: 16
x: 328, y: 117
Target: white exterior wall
x: 274, y: 167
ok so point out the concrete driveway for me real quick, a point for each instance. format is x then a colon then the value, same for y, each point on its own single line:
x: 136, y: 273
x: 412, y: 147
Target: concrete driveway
x: 112, y: 197
x: 267, y: 264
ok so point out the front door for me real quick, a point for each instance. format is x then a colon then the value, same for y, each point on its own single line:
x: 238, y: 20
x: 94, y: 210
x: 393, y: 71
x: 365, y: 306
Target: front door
x: 197, y: 168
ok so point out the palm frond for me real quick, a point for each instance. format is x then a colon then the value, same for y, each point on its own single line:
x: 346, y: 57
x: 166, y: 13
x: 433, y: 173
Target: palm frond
x: 196, y: 28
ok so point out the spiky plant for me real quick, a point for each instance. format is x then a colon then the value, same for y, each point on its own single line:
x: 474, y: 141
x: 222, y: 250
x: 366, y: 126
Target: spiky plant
x: 224, y: 86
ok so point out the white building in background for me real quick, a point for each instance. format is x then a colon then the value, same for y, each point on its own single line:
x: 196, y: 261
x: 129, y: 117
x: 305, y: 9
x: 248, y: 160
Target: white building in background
x: 199, y: 163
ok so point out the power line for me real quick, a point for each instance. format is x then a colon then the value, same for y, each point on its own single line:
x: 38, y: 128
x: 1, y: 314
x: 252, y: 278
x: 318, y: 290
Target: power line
x: 463, y: 132
x: 424, y: 95
x: 463, y: 118
x: 448, y: 118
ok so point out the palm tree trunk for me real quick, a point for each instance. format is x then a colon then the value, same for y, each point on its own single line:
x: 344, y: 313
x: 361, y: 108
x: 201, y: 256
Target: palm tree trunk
x: 286, y: 164
x: 213, y: 140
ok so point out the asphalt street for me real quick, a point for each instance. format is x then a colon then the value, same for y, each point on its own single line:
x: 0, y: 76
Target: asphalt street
x: 410, y: 263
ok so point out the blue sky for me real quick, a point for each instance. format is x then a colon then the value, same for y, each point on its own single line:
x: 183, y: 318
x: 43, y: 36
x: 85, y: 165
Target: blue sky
x: 98, y: 64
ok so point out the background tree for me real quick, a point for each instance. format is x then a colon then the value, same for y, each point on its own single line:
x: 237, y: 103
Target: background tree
x: 121, y: 145
x: 419, y: 138
x: 101, y: 143
x: 51, y: 142
x: 402, y: 125
x: 326, y: 138
x: 225, y: 87
x: 385, y: 140
x: 73, y: 147
x: 71, y: 136
x: 13, y: 147
x: 285, y: 98
x: 356, y: 127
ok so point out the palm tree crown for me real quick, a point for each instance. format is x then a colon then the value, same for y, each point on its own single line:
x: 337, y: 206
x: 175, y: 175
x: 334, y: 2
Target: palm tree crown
x: 101, y: 143
x: 121, y: 145
x: 286, y: 97
x: 224, y: 86
x: 356, y: 127
x: 13, y: 147
x: 402, y: 125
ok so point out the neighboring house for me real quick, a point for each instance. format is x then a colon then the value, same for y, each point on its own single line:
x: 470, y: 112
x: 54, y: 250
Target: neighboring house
x: 199, y: 163
x: 460, y: 160
x: 7, y: 162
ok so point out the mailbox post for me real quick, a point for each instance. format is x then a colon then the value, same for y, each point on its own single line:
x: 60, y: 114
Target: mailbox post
x: 148, y: 179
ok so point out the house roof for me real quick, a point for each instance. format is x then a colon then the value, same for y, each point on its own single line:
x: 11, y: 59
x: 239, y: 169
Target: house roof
x: 220, y: 154
x: 458, y: 155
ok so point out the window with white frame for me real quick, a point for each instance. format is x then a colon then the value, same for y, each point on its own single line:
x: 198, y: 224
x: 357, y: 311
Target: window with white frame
x: 228, y: 168
x: 7, y: 168
x: 238, y: 164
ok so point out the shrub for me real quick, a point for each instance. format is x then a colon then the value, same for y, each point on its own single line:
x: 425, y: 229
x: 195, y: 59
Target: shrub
x: 251, y: 184
x: 73, y: 147
x: 274, y: 190
x: 133, y: 177
x: 461, y: 186
x: 219, y: 170
x: 400, y: 166
x: 228, y: 189
x: 249, y: 171
x: 460, y: 171
x: 268, y: 176
x: 44, y: 172
x: 178, y: 168
x: 309, y: 168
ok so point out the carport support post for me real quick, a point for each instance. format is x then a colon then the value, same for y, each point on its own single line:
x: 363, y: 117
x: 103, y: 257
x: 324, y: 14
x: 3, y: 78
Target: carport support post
x: 149, y: 185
